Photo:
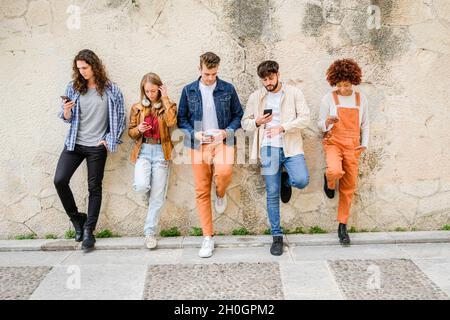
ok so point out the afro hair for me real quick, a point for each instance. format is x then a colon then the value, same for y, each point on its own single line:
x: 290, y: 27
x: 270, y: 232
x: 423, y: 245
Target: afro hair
x: 344, y: 70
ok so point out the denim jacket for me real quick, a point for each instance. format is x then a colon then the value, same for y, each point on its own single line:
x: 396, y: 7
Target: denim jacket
x: 190, y: 111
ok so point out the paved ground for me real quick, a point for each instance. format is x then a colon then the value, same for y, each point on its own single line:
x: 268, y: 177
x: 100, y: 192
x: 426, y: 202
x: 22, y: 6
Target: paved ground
x: 402, y: 266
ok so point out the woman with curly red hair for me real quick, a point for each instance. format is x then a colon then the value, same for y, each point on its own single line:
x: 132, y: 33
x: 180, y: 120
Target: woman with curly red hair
x: 344, y: 120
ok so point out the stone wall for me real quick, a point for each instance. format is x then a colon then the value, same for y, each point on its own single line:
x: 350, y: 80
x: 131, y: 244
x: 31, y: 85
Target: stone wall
x: 404, y: 176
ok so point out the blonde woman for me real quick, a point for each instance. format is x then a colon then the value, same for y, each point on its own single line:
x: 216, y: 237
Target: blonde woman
x: 150, y: 123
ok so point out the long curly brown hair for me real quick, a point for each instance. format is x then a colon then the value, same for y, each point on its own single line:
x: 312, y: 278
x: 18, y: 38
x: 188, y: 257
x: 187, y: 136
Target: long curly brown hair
x: 344, y: 70
x: 101, y: 78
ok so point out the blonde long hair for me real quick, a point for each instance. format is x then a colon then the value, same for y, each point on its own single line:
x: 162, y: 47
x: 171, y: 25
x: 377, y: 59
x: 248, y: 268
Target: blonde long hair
x: 154, y: 79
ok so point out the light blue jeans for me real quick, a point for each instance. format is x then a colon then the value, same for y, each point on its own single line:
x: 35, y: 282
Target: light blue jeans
x: 151, y: 175
x: 272, y: 162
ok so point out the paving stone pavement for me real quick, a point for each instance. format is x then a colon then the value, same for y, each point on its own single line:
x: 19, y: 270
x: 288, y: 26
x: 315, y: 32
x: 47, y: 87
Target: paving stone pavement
x: 406, y: 271
x: 18, y: 283
x: 226, y: 281
x: 384, y: 279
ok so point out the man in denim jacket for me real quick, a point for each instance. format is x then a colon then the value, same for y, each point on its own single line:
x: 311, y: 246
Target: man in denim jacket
x: 209, y: 113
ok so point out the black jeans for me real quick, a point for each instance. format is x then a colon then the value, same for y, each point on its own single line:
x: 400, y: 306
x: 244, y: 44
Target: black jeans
x: 68, y: 163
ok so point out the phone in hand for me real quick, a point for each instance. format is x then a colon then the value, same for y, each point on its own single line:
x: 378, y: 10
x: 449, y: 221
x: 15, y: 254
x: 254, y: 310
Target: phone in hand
x: 268, y: 111
x: 147, y: 124
x: 65, y: 99
x: 207, y: 138
x: 209, y: 135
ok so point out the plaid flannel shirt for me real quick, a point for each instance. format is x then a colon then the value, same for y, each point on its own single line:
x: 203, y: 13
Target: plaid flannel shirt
x: 116, y: 117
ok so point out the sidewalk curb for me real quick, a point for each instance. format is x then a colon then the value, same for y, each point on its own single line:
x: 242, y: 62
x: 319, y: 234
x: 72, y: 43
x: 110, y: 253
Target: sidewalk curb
x: 291, y: 240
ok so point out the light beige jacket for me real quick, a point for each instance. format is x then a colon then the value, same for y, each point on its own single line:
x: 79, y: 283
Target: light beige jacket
x: 294, y: 116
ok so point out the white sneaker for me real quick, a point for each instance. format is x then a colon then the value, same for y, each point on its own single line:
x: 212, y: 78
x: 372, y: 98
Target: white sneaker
x: 207, y: 248
x: 151, y: 242
x: 221, y: 204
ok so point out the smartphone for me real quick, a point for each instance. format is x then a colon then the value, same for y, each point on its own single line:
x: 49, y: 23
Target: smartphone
x: 208, y: 135
x: 268, y: 111
x: 65, y: 98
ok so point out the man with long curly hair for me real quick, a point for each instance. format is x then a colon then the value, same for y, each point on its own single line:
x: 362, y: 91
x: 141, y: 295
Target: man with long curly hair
x: 345, y: 122
x: 94, y: 108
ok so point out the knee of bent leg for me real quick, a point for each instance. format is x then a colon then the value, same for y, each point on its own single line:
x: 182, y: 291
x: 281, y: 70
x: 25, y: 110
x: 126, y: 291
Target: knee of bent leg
x: 225, y: 173
x: 334, y: 172
x: 300, y: 182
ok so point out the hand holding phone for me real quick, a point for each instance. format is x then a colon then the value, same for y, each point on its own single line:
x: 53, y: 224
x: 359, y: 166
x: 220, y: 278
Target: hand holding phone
x: 332, y: 120
x: 68, y: 104
x: 267, y: 117
x: 204, y: 137
x: 144, y: 126
x: 210, y: 135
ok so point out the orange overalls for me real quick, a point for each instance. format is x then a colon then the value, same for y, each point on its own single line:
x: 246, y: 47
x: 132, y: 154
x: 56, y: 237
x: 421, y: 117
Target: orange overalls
x: 342, y: 159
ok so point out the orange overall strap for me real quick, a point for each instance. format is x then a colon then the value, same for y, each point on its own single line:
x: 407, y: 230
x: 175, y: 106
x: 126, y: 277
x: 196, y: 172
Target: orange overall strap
x: 358, y: 99
x: 335, y: 98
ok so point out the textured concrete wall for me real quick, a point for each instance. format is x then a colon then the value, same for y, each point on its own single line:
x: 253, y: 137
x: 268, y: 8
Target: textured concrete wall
x: 404, y: 176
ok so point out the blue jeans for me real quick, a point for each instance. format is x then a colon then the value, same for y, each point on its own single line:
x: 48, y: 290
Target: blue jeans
x: 150, y: 175
x: 272, y: 162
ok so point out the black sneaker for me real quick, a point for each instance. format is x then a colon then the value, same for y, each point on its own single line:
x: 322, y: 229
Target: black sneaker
x: 344, y: 238
x: 285, y: 192
x: 328, y: 192
x: 277, y: 246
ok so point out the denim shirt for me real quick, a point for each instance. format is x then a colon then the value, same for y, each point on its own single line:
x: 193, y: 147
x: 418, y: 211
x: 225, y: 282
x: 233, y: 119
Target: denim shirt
x: 190, y: 111
x: 116, y: 117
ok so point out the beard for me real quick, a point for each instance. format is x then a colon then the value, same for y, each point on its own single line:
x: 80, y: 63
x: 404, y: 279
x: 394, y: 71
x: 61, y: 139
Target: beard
x: 271, y: 87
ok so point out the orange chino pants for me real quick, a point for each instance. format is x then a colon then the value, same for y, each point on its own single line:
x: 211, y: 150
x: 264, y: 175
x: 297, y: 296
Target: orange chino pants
x: 211, y: 161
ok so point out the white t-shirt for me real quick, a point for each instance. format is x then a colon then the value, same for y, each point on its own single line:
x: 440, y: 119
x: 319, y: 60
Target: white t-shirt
x: 273, y: 101
x: 209, y: 121
x: 327, y: 107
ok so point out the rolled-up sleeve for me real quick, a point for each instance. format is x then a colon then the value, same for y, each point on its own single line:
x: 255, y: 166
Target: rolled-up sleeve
x: 249, y: 119
x: 68, y: 93
x: 121, y: 122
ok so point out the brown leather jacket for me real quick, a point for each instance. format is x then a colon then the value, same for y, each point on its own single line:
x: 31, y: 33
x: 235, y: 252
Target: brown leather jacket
x: 167, y: 118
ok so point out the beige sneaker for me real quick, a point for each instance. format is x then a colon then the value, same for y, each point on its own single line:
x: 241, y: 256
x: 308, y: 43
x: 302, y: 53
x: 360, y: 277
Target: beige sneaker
x: 150, y: 242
